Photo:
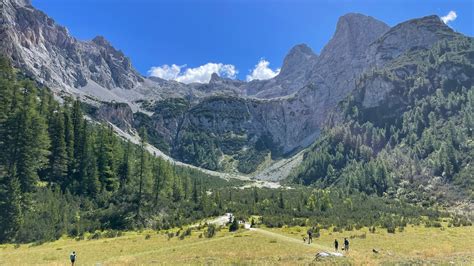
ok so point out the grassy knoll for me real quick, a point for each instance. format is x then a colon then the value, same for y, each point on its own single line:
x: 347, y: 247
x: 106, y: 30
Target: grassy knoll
x: 261, y: 246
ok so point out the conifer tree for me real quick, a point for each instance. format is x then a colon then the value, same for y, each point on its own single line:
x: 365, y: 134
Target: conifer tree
x: 26, y: 138
x: 10, y: 206
x: 124, y: 168
x: 141, y: 171
x: 58, y: 163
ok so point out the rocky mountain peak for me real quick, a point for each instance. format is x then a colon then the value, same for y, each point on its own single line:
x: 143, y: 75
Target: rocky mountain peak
x: 17, y: 2
x: 299, y: 55
x: 343, y: 58
x: 353, y: 33
x: 46, y: 51
x: 429, y: 25
x: 101, y: 41
x: 412, y: 34
x: 214, y: 78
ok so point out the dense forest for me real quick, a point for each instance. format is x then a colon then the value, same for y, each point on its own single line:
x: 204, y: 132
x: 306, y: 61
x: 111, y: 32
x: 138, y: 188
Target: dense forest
x: 416, y: 145
x: 61, y: 173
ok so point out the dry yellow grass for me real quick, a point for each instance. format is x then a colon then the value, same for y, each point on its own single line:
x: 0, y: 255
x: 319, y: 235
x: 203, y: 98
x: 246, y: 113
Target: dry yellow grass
x: 264, y: 247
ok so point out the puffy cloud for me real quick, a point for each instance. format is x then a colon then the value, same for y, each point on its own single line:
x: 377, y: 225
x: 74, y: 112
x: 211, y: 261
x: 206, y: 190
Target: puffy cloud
x: 451, y: 16
x: 201, y: 74
x: 262, y: 71
x: 165, y: 71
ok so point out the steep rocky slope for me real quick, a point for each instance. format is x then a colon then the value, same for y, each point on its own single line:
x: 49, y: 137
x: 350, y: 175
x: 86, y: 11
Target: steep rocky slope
x: 406, y: 129
x: 225, y: 124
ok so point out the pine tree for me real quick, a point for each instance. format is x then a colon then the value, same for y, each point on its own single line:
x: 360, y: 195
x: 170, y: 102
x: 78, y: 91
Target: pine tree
x: 79, y: 131
x: 124, y: 168
x: 105, y: 161
x: 177, y: 190
x: 10, y: 206
x: 157, y: 180
x: 58, y: 158
x: 195, y: 195
x: 26, y: 140
x: 69, y: 139
x: 89, y: 182
x: 142, y: 166
x: 281, y: 201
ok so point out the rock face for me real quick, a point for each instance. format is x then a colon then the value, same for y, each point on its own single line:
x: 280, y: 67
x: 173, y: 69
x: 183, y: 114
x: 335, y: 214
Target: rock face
x: 294, y: 75
x: 46, y: 51
x: 342, y: 60
x: 419, y: 33
x: 119, y: 114
x: 224, y: 118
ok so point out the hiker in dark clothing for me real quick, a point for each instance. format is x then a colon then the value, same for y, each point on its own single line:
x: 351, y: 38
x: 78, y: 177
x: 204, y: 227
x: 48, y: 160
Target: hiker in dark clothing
x: 336, y: 244
x: 310, y: 236
x: 72, y: 257
x: 346, y: 244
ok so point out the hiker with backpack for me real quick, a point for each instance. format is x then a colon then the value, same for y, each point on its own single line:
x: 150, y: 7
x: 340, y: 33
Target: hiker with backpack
x: 346, y: 245
x: 73, y: 257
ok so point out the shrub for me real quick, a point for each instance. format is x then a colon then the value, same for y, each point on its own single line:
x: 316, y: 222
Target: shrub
x: 111, y: 233
x: 211, y: 231
x: 391, y: 229
x: 95, y: 235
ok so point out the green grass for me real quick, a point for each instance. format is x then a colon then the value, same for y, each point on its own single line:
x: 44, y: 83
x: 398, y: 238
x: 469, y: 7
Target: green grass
x: 263, y: 246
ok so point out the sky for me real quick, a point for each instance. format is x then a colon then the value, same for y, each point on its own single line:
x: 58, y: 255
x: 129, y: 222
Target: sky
x: 187, y: 40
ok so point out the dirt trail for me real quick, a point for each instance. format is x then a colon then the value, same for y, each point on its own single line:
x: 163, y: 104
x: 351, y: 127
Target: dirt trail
x: 288, y: 239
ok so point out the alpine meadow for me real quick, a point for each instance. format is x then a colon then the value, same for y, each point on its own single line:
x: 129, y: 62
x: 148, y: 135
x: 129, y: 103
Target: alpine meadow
x: 361, y: 154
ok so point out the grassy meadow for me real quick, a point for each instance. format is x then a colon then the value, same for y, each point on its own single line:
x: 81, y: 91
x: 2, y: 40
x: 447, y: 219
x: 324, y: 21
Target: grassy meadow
x: 269, y: 246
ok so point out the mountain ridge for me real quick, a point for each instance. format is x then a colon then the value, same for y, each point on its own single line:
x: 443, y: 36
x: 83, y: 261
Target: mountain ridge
x: 297, y: 102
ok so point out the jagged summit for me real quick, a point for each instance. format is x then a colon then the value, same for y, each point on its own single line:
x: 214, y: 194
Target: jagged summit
x: 290, y: 109
x: 353, y: 33
x: 17, y: 2
x: 101, y: 40
x: 415, y: 33
x: 343, y: 58
x: 298, y: 57
x: 214, y: 78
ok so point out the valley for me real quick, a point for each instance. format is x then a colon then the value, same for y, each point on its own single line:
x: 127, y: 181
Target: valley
x: 371, y: 138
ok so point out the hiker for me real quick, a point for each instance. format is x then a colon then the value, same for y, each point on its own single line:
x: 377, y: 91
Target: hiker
x: 336, y: 244
x: 72, y: 257
x: 310, y: 236
x: 346, y: 244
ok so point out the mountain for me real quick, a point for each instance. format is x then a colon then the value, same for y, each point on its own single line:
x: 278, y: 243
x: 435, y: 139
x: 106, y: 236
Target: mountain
x: 46, y: 51
x: 406, y: 130
x: 226, y: 125
x: 375, y: 132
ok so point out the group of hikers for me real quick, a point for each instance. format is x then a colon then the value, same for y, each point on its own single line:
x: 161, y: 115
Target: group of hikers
x: 346, y: 245
x: 310, y: 233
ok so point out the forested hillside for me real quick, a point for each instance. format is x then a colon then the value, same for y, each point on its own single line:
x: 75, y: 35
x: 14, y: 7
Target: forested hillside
x: 63, y: 174
x: 406, y: 132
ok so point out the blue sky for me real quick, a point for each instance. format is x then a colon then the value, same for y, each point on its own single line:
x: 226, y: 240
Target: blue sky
x: 235, y: 35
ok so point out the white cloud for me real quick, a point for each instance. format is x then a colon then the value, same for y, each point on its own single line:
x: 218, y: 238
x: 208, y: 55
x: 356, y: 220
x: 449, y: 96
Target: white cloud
x: 201, y: 74
x: 451, y: 16
x: 165, y: 71
x: 262, y: 71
